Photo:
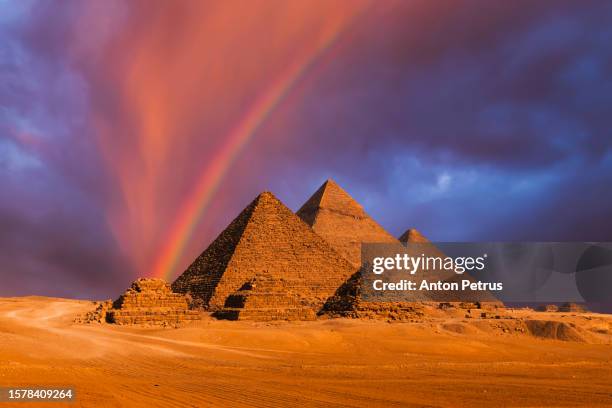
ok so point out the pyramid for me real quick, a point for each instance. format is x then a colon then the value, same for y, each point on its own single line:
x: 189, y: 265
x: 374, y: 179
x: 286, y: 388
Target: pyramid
x: 340, y: 220
x: 266, y: 237
x: 354, y: 299
x: 348, y: 301
x: 266, y: 298
x: 413, y: 236
x: 151, y: 301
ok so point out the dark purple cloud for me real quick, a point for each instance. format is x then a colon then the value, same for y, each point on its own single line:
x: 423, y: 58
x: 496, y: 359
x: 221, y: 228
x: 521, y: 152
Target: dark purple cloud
x: 468, y: 120
x: 53, y: 234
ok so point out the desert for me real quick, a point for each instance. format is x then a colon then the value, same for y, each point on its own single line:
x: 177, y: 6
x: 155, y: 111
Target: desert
x: 531, y: 359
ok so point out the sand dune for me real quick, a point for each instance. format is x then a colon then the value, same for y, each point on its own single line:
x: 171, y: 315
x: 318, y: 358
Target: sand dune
x: 450, y: 362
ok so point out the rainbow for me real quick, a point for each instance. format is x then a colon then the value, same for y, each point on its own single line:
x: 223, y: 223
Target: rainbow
x: 213, y: 174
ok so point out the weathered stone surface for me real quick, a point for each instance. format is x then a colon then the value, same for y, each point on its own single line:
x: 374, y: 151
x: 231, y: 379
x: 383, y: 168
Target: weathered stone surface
x: 266, y: 298
x: 151, y: 301
x: 340, y: 220
x: 269, y: 237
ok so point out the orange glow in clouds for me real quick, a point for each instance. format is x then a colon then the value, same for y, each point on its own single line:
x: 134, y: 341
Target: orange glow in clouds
x: 195, y: 82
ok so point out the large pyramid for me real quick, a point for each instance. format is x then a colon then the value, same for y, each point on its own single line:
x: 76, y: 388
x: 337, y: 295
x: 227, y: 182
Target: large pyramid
x: 267, y: 237
x: 340, y: 220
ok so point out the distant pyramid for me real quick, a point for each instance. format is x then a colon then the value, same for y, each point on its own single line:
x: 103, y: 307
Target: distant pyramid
x: 413, y: 236
x: 340, y: 220
x: 265, y: 237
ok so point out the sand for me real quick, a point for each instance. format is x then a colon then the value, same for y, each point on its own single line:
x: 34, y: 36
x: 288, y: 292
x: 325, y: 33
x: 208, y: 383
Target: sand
x: 447, y: 362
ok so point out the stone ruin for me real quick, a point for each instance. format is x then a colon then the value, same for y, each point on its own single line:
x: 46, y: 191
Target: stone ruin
x: 98, y: 315
x: 151, y: 301
x: 266, y: 298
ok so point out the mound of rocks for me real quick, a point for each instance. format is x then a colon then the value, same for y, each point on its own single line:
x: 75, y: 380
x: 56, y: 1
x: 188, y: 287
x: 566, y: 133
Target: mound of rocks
x: 151, y: 302
x: 98, y: 315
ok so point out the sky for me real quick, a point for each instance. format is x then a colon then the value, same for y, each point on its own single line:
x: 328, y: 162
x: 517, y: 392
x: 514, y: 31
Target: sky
x: 132, y: 132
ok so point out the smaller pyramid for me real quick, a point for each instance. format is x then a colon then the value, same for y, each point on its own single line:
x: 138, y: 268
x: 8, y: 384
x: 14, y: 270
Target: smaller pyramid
x: 151, y: 301
x: 266, y: 298
x: 413, y: 236
x: 348, y: 301
x: 340, y: 220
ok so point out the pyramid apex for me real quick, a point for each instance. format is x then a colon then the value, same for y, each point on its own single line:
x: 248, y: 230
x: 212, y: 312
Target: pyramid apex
x: 331, y: 196
x: 331, y: 184
x: 412, y: 235
x: 342, y: 221
x: 266, y: 194
x: 266, y: 197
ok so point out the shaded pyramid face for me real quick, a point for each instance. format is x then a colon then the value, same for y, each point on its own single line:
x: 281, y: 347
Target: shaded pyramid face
x: 265, y: 237
x: 340, y: 220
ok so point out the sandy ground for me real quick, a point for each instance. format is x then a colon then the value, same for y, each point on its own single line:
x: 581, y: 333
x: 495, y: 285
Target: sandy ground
x: 443, y: 363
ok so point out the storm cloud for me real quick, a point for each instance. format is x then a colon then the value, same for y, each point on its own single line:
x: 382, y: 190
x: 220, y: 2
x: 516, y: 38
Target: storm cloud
x: 467, y: 120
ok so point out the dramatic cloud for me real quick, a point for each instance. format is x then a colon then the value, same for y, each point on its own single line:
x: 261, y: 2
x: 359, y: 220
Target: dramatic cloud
x: 468, y: 120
